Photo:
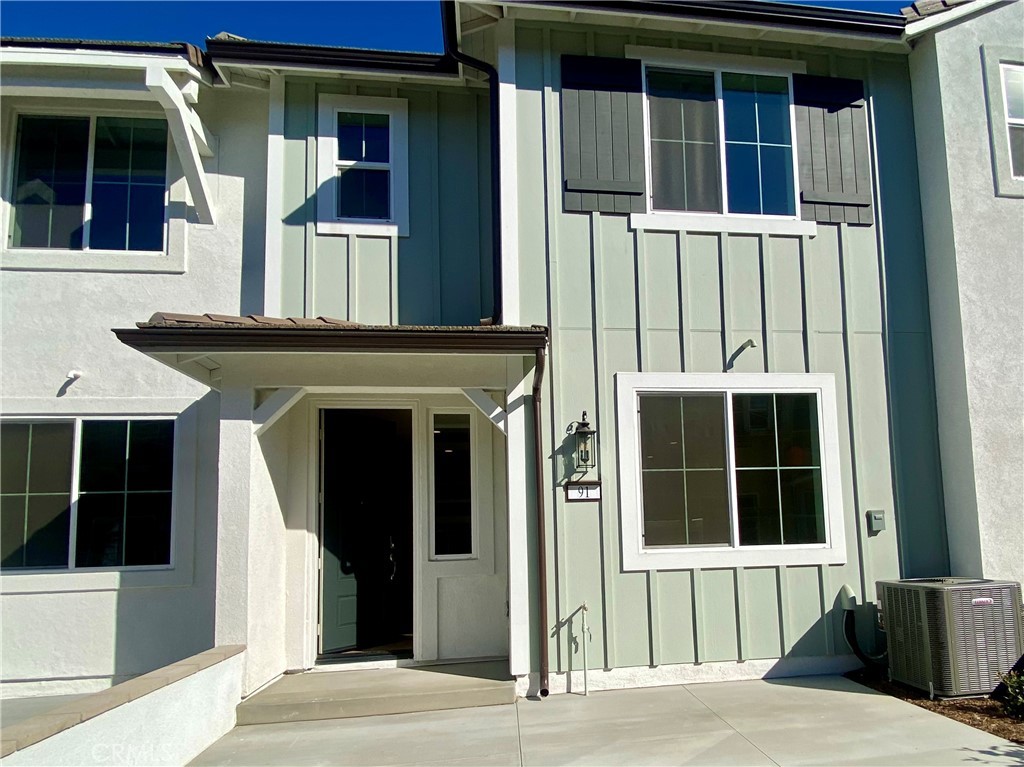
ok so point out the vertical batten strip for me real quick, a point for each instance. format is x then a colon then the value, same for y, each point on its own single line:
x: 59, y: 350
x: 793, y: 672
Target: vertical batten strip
x: 784, y: 635
x: 865, y: 565
x: 742, y: 619
x: 608, y: 532
x: 725, y: 300
x: 826, y: 618
x: 653, y: 613
x: 700, y: 641
x: 685, y: 345
x: 643, y: 329
x: 393, y: 274
x: 552, y: 200
x: 435, y: 203
x: 311, y: 194
x: 768, y: 360
x: 805, y: 289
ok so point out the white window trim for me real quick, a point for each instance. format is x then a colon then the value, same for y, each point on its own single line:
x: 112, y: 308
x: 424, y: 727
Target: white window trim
x: 635, y: 557
x: 327, y: 221
x: 473, y: 486
x: 1010, y: 121
x: 169, y: 260
x: 994, y: 59
x: 738, y: 223
x: 76, y: 449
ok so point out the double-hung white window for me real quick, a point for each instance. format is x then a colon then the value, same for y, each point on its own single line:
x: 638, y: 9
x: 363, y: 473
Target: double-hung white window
x: 729, y: 470
x: 95, y: 183
x: 1013, y: 98
x: 362, y: 165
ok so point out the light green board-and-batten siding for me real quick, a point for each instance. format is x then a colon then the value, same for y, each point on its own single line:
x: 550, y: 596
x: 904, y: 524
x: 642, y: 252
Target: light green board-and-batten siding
x: 623, y: 300
x: 441, y: 273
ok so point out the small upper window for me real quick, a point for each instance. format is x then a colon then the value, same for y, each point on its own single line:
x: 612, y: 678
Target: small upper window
x: 720, y: 142
x: 1013, y: 93
x: 90, y: 183
x: 729, y: 469
x: 361, y: 161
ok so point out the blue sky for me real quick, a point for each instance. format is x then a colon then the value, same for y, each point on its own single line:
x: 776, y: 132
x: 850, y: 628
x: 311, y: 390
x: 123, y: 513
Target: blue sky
x: 409, y: 25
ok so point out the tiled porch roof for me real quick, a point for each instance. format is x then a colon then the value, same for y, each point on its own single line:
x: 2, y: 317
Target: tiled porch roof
x: 256, y: 321
x: 929, y: 8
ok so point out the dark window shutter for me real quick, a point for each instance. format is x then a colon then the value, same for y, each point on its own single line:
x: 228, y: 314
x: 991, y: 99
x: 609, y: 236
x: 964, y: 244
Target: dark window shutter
x: 603, y: 134
x: 833, y: 150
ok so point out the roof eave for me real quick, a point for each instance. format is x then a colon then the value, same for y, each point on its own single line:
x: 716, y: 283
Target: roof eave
x: 156, y: 340
x: 246, y: 53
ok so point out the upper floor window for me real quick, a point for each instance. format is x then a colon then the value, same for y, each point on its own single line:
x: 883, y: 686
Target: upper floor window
x: 362, y: 173
x: 85, y: 493
x: 89, y: 183
x: 720, y: 142
x: 729, y: 470
x: 1013, y: 94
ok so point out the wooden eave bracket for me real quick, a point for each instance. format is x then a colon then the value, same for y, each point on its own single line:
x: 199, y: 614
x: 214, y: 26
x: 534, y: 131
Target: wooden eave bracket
x: 275, y: 406
x: 488, y: 407
x: 191, y: 139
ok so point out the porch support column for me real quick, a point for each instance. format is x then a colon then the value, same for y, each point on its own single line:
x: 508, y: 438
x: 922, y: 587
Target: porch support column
x: 233, y: 491
x: 520, y: 509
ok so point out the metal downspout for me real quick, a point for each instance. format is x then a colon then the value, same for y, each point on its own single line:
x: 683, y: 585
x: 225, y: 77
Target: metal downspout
x: 542, y: 548
x: 451, y: 47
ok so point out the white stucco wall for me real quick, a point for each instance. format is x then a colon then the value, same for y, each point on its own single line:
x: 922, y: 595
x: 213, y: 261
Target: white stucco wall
x: 975, y: 254
x: 66, y: 632
x: 171, y: 726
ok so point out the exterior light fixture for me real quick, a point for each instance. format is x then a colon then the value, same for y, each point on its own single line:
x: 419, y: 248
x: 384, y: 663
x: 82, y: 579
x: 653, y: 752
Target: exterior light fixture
x: 585, y: 438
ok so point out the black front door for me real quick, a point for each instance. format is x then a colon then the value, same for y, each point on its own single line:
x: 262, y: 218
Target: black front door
x: 366, y: 579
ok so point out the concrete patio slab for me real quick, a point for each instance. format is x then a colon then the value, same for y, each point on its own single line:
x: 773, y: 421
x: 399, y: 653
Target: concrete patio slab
x: 339, y: 694
x: 806, y: 721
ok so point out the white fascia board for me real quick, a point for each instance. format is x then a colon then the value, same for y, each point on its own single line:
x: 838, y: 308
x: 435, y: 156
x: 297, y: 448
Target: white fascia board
x: 97, y: 59
x: 37, y: 87
x: 593, y: 15
x: 182, y: 121
x: 929, y: 23
x: 225, y: 67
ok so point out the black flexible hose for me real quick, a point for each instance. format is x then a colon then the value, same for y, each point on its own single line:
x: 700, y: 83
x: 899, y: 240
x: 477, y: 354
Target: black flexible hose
x: 850, y: 632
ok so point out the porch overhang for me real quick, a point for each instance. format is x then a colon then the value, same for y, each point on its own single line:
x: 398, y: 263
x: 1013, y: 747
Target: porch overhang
x: 307, y: 352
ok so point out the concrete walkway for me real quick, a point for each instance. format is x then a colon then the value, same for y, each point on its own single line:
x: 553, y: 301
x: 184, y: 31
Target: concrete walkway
x: 805, y: 721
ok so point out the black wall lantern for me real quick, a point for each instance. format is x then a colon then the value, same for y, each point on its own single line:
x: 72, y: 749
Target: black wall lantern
x: 585, y: 438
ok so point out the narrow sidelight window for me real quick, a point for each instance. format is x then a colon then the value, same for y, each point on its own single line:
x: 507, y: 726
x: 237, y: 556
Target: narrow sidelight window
x: 453, y: 485
x: 90, y: 183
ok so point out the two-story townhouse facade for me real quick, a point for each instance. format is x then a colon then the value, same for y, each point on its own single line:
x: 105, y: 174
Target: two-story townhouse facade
x: 700, y: 224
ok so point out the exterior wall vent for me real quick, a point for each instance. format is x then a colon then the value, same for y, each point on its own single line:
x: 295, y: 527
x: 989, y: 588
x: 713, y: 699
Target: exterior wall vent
x: 951, y: 636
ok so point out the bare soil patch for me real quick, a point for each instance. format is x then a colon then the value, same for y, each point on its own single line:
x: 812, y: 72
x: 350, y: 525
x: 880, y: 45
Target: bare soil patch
x: 981, y: 713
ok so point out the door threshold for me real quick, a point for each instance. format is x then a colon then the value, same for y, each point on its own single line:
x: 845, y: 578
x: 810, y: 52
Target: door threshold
x: 326, y: 664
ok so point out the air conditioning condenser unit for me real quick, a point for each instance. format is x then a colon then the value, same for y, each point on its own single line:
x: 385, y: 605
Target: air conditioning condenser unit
x: 951, y: 636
